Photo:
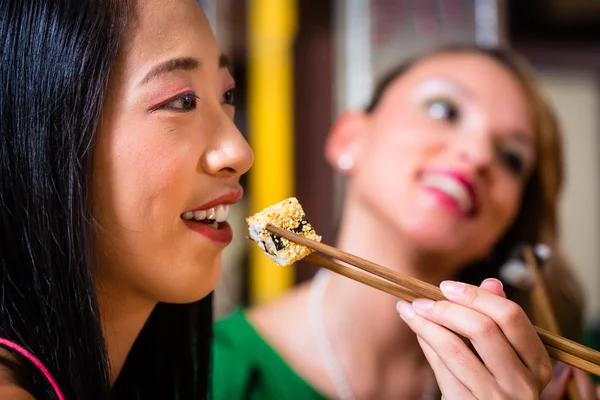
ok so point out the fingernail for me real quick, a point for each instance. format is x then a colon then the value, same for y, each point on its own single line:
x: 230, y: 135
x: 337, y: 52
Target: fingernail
x: 422, y: 304
x: 406, y: 311
x: 558, y: 369
x: 452, y: 288
x: 493, y: 280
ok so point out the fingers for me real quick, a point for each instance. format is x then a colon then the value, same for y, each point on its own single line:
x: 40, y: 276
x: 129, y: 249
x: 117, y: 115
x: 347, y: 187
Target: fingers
x: 452, y: 351
x: 450, y: 387
x: 489, y: 342
x: 511, y: 320
x: 557, y: 388
x: 493, y: 286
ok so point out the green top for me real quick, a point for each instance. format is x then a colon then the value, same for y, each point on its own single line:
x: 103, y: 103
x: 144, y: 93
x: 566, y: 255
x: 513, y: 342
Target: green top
x: 245, y: 366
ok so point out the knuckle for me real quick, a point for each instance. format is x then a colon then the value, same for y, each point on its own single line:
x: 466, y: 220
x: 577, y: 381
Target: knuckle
x: 485, y: 328
x: 439, y: 308
x: 455, y: 349
x: 545, y: 372
x: 470, y: 294
x: 511, y: 314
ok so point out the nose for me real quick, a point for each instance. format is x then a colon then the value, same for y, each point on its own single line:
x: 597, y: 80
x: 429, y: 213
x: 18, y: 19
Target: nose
x: 476, y: 149
x: 229, y: 154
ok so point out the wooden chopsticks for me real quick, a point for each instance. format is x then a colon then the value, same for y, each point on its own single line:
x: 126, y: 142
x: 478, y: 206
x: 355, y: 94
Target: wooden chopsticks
x: 409, y: 288
x: 543, y: 308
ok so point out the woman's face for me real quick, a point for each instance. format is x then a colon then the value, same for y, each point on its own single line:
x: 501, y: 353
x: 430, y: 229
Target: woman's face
x: 443, y: 160
x: 168, y: 157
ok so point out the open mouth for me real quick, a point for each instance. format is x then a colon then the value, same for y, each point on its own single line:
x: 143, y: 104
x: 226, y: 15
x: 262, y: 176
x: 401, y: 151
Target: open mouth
x: 213, y: 217
x: 454, y: 188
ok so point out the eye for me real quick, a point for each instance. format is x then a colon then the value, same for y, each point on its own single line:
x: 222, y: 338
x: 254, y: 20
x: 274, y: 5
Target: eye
x: 443, y: 110
x: 513, y: 161
x: 185, y: 102
x: 229, y: 97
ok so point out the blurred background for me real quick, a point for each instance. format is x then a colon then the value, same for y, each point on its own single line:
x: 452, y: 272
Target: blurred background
x: 299, y: 63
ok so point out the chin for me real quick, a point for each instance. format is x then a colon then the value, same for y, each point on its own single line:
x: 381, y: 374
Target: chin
x: 444, y: 244
x: 192, y: 284
x: 433, y: 238
x: 186, y: 294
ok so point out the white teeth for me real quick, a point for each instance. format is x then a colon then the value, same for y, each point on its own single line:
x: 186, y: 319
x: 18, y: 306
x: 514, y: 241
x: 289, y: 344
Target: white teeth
x: 219, y: 213
x: 211, y: 213
x: 200, y: 215
x: 222, y: 213
x: 451, y: 187
x: 214, y: 225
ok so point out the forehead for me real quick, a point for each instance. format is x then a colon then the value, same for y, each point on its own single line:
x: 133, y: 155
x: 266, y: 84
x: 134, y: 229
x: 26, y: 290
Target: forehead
x: 163, y: 29
x: 489, y: 84
x: 470, y: 67
x: 476, y: 73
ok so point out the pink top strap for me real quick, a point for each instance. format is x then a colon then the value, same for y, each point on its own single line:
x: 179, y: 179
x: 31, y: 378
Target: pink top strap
x: 37, y: 363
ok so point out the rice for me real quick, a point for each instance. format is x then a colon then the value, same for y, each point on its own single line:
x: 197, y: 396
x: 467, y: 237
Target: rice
x: 287, y: 214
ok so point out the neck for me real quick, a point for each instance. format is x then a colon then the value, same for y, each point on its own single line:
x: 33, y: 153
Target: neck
x: 367, y: 326
x: 123, y: 317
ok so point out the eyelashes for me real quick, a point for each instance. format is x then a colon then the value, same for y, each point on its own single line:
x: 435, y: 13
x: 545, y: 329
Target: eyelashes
x: 182, y: 103
x: 187, y: 102
x: 229, y: 97
x: 446, y: 110
x: 513, y: 161
x: 443, y: 110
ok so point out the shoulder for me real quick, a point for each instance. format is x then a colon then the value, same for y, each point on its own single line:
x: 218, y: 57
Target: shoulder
x: 244, y: 364
x: 247, y: 365
x: 9, y: 388
x: 232, y: 356
x: 235, y: 342
x: 10, y: 391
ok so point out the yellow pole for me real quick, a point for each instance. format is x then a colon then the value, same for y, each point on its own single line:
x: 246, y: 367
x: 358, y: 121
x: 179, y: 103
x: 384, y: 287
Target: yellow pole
x: 272, y: 25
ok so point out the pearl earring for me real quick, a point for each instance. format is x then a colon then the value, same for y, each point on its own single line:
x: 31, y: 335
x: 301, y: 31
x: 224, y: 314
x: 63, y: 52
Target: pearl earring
x: 345, y: 162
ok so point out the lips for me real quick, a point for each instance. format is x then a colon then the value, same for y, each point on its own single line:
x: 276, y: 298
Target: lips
x: 210, y: 219
x: 228, y: 198
x: 455, y: 188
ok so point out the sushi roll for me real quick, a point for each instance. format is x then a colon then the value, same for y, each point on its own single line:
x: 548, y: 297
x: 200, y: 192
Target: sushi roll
x: 287, y: 214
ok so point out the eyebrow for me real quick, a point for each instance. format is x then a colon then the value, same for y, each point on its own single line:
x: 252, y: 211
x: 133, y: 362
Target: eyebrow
x: 180, y: 63
x: 446, y: 83
x: 522, y: 138
x: 224, y: 62
x: 450, y: 84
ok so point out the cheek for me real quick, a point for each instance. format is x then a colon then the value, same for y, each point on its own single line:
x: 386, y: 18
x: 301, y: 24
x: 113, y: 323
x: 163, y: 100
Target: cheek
x: 144, y: 179
x: 505, y: 203
x: 141, y: 173
x: 392, y: 158
x: 400, y: 139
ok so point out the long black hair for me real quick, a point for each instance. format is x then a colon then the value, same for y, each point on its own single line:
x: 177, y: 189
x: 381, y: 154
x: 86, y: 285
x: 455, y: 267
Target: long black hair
x: 55, y: 58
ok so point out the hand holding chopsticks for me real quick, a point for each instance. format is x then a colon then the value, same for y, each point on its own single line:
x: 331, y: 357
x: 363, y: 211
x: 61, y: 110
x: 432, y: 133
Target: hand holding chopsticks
x: 409, y: 288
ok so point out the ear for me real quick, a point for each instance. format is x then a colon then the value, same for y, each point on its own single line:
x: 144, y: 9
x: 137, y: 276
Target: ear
x: 344, y: 144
